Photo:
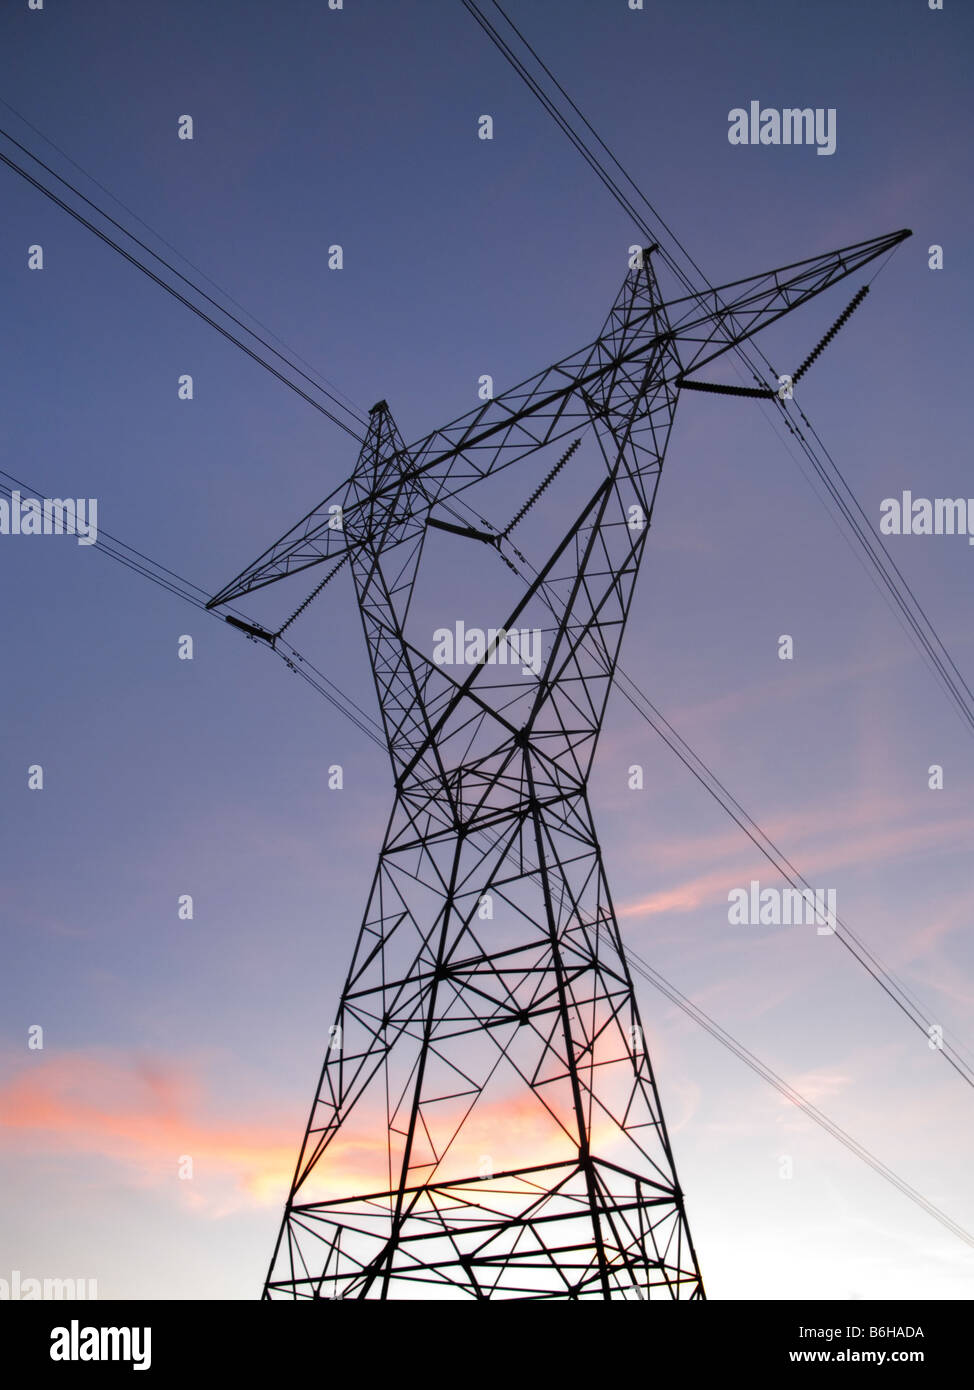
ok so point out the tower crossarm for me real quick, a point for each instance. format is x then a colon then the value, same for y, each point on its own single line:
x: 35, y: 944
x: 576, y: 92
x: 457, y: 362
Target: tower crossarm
x: 550, y: 405
x: 499, y: 433
x: 709, y: 324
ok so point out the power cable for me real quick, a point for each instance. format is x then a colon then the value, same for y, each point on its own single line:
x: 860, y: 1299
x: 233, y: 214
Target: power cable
x: 194, y: 308
x: 172, y: 583
x: 355, y: 411
x: 931, y: 645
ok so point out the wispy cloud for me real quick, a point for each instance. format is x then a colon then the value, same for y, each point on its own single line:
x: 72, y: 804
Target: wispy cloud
x: 145, y: 1114
x: 823, y: 841
x: 148, y: 1115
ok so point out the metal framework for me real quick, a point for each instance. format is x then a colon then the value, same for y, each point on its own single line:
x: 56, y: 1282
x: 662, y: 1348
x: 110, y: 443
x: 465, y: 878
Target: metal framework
x: 487, y: 1122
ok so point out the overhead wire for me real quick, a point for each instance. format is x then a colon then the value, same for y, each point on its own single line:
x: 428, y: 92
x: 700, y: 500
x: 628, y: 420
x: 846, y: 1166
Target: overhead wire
x: 915, y: 627
x: 761, y: 1069
x: 193, y: 594
x: 792, y: 1095
x: 899, y: 593
x: 313, y: 676
x: 170, y: 289
x: 309, y: 673
x: 919, y: 1015
x: 335, y: 392
x: 138, y: 562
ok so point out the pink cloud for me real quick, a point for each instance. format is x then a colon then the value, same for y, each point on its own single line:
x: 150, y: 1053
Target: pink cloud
x: 834, y: 839
x: 142, y: 1113
x: 146, y: 1114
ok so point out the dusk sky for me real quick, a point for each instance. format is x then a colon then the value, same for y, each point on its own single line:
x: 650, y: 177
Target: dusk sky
x: 462, y: 257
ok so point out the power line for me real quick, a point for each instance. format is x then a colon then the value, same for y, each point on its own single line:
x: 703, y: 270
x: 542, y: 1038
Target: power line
x: 766, y: 1073
x: 763, y: 842
x: 194, y: 308
x: 334, y: 390
x: 899, y: 591
x: 191, y: 593
x: 183, y: 589
x: 188, y: 591
x: 708, y: 779
x: 921, y: 629
x: 790, y: 1094
x: 931, y: 645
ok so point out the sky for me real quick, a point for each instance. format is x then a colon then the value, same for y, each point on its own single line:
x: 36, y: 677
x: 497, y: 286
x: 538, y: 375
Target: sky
x: 311, y: 127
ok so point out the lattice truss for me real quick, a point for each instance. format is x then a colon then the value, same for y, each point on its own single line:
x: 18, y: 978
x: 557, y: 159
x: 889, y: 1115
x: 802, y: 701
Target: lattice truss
x: 487, y: 1122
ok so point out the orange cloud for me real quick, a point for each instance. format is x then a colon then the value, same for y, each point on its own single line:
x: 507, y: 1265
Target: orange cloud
x: 146, y: 1114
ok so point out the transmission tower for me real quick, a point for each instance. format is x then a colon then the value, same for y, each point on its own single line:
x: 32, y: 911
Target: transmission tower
x: 487, y: 1122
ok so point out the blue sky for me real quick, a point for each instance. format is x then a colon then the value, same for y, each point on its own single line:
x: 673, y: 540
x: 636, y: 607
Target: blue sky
x: 464, y: 257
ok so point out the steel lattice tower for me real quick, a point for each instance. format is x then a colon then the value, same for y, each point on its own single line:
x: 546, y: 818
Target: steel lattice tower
x: 487, y: 1122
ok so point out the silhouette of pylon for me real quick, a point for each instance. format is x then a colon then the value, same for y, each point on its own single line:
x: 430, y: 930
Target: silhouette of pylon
x: 487, y: 1122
